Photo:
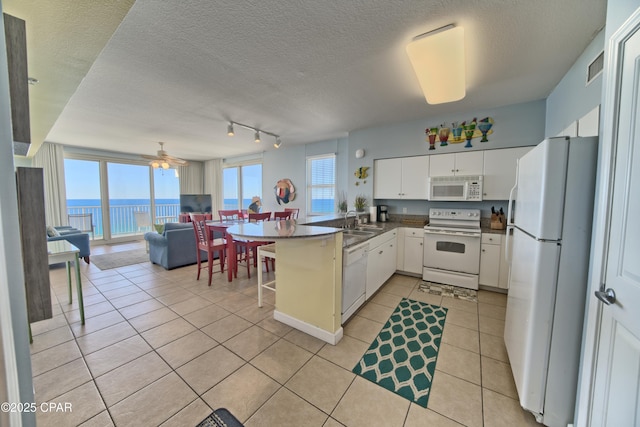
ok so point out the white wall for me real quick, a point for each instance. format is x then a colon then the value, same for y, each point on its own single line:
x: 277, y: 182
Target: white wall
x: 15, y: 378
x: 572, y: 98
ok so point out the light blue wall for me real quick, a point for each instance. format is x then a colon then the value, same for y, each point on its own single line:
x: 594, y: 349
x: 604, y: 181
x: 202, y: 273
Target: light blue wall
x: 572, y: 98
x: 515, y: 125
x: 291, y: 162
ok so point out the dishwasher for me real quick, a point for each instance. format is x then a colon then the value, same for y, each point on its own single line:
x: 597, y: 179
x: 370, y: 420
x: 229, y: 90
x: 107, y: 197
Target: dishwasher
x: 354, y: 278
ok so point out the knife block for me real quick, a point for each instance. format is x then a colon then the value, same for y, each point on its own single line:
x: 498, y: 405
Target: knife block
x: 498, y: 222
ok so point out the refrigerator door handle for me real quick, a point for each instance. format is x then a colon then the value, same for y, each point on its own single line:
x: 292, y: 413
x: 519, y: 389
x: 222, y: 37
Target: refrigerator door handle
x: 511, y: 194
x: 507, y: 243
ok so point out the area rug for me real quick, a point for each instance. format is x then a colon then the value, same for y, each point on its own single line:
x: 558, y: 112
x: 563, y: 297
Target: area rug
x: 119, y: 259
x: 448, y: 291
x: 403, y: 356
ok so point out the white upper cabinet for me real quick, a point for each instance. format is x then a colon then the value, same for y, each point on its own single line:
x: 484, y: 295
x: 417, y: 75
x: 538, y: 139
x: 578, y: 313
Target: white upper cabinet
x: 500, y: 172
x: 387, y: 178
x: 466, y: 163
x: 401, y: 178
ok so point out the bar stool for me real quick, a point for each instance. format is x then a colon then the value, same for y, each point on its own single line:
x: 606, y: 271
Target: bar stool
x: 265, y: 251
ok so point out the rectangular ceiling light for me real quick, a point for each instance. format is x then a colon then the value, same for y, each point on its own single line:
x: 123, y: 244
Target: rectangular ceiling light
x: 438, y: 59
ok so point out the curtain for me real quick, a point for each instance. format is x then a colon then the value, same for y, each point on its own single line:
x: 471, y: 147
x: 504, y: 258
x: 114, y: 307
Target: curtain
x: 50, y: 157
x: 213, y: 182
x: 191, y: 178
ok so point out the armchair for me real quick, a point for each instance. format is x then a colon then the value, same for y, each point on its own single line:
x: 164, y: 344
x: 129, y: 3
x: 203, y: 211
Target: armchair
x: 175, y: 247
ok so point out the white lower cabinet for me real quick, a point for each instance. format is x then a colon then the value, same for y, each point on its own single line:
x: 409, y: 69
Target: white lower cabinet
x: 381, y: 261
x: 494, y: 269
x: 413, y: 250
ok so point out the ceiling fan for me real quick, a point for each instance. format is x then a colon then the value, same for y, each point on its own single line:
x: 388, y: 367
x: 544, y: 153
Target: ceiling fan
x: 164, y: 160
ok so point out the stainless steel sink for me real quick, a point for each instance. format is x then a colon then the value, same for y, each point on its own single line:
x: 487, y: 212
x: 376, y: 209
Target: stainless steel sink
x: 356, y: 232
x: 369, y: 227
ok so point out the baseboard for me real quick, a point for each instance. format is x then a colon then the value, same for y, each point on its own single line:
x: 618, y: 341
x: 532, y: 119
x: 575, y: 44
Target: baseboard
x: 314, y: 331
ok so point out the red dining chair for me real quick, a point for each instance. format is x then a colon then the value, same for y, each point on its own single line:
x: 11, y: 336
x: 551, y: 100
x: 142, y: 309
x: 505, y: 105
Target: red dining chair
x: 294, y: 212
x: 255, y: 217
x: 229, y: 214
x: 247, y: 250
x: 281, y: 216
x: 205, y: 242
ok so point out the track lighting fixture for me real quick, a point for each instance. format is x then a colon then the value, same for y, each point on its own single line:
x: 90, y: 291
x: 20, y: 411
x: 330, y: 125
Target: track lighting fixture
x: 257, y: 132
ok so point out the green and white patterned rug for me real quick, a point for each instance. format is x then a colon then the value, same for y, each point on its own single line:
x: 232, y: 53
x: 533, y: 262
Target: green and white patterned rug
x: 403, y: 356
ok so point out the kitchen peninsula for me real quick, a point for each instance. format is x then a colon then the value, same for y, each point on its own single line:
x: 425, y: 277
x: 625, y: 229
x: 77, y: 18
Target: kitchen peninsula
x: 309, y: 274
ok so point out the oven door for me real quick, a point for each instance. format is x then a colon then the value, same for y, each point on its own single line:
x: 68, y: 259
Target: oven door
x: 452, y: 250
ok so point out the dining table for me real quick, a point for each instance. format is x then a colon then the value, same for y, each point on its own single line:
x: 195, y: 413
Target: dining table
x: 232, y: 266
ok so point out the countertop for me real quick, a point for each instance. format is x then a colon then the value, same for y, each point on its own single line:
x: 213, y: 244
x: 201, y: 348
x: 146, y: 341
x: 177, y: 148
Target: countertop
x: 324, y: 225
x: 274, y: 230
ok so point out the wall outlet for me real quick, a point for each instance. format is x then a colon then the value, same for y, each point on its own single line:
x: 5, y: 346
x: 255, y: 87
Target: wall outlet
x: 404, y: 210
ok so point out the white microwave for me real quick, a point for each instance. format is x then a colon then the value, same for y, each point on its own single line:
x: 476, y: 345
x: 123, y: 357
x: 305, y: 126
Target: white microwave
x: 455, y: 188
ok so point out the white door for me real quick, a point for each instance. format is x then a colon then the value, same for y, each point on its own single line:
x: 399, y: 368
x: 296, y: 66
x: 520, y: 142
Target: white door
x: 442, y: 164
x: 386, y: 178
x: 470, y: 163
x: 616, y: 400
x: 529, y: 317
x: 541, y: 180
x: 415, y: 178
x: 500, y: 172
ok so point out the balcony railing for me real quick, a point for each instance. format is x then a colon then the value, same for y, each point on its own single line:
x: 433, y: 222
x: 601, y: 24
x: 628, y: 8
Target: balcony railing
x: 123, y: 219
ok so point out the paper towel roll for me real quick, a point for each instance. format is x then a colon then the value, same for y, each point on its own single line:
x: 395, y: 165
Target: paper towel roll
x: 373, y: 213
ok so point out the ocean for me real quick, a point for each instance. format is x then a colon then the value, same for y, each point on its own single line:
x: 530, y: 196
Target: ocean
x: 167, y: 210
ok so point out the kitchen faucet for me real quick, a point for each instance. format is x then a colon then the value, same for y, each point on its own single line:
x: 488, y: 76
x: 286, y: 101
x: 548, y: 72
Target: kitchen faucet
x: 346, y: 216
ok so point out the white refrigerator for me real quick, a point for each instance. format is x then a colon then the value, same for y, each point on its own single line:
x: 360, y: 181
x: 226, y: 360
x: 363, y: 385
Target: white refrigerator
x: 548, y: 245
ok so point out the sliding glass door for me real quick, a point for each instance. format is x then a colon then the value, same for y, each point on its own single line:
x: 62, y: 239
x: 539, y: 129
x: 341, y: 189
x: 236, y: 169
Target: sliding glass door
x: 166, y: 189
x: 125, y: 199
x: 82, y: 183
x: 129, y: 199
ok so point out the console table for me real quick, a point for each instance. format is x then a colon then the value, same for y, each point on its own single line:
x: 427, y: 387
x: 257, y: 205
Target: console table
x: 63, y: 251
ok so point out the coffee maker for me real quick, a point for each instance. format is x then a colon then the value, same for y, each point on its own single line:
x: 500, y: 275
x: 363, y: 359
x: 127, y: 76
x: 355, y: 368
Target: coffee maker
x: 383, y: 213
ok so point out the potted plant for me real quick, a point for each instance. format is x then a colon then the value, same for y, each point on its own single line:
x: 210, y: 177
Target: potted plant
x: 342, y: 202
x: 360, y: 203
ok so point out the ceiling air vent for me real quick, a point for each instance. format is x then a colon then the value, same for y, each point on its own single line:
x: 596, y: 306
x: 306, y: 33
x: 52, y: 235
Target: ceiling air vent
x: 595, y: 68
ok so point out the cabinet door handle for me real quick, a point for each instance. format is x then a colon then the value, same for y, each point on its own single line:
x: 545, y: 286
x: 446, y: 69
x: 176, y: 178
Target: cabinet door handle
x: 420, y: 243
x: 380, y: 253
x: 483, y: 250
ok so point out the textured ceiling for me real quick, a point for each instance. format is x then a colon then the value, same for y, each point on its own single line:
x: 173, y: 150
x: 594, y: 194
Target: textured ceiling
x: 64, y: 37
x: 306, y: 70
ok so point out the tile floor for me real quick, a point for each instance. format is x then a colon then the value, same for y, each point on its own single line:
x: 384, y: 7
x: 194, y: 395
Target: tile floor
x: 160, y: 348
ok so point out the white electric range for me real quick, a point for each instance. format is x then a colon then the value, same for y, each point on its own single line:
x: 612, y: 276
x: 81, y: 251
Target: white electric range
x: 452, y: 247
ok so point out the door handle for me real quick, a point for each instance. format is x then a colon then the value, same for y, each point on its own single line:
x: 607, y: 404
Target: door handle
x: 608, y: 297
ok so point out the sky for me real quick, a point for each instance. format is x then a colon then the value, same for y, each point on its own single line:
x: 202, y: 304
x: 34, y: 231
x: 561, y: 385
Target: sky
x: 82, y: 179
